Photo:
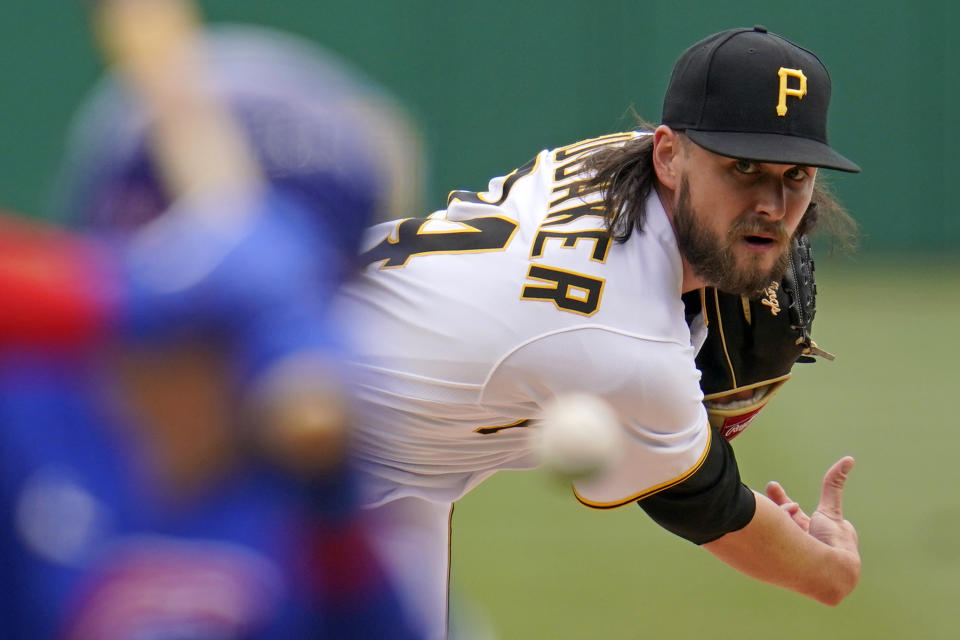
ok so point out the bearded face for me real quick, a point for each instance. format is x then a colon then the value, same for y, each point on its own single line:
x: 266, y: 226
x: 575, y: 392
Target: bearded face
x: 743, y: 258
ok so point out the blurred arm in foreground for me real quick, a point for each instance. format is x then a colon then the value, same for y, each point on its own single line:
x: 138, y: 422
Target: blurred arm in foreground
x: 180, y: 371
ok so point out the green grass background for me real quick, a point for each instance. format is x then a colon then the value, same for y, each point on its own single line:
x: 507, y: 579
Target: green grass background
x: 530, y: 562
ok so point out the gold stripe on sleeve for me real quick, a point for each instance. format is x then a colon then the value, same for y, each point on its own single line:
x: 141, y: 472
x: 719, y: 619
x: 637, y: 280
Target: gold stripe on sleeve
x: 494, y: 429
x: 652, y: 490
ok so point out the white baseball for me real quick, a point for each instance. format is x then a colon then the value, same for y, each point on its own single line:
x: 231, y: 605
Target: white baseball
x: 579, y: 435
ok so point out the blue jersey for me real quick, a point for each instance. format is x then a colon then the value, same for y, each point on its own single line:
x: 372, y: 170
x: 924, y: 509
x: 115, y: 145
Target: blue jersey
x: 91, y: 550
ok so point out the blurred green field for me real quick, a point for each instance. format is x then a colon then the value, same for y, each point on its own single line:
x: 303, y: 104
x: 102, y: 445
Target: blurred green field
x: 530, y: 562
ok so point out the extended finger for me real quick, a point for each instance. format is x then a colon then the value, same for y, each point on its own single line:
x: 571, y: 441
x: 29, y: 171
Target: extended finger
x: 777, y: 493
x: 831, y: 494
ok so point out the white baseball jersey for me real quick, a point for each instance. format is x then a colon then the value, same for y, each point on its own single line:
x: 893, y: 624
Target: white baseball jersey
x: 470, y: 320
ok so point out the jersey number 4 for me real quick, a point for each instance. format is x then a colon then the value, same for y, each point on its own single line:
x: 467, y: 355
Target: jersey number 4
x: 412, y: 238
x: 568, y: 290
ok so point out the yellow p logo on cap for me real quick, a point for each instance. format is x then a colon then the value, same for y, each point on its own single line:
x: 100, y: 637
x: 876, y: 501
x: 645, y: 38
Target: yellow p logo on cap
x: 785, y: 91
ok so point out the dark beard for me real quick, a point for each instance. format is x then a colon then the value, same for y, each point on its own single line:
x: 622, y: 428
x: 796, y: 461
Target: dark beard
x: 712, y: 257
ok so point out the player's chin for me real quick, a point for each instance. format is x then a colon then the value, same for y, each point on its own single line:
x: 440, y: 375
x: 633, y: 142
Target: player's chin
x: 753, y: 273
x: 767, y: 257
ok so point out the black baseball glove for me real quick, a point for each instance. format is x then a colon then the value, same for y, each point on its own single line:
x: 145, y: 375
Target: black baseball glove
x: 752, y: 344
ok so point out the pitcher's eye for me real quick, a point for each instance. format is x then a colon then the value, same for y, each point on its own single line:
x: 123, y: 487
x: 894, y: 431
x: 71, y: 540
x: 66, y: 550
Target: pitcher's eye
x: 798, y: 174
x: 746, y: 166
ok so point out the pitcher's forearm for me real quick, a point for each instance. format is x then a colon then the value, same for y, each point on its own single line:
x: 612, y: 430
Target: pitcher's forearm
x: 773, y: 549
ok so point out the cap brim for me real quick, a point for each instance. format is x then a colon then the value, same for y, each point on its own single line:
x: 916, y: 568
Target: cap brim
x: 772, y: 147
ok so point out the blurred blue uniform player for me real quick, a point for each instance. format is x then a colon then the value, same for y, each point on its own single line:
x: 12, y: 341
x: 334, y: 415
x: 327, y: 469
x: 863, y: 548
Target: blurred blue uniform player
x: 143, y: 492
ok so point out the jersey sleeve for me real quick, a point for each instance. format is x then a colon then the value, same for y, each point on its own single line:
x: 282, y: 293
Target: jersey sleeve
x: 651, y: 384
x: 709, y: 503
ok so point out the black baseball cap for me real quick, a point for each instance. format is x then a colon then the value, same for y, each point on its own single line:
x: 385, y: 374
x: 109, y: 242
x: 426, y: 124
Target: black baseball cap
x: 751, y: 94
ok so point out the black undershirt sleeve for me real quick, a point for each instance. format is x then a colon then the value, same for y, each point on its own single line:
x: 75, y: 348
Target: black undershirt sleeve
x: 708, y: 504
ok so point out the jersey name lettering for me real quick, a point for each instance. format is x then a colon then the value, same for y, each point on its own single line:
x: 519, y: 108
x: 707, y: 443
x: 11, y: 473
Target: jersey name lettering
x: 600, y: 238
x: 578, y: 149
x: 571, y: 291
x: 573, y: 213
x: 568, y: 290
